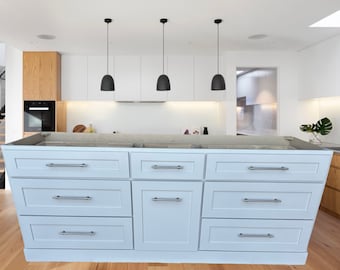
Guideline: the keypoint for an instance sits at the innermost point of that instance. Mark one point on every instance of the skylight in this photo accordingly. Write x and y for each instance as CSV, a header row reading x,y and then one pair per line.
x,y
332,20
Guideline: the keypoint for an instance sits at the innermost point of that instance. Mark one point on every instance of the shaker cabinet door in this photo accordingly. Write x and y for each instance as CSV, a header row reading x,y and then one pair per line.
x,y
166,215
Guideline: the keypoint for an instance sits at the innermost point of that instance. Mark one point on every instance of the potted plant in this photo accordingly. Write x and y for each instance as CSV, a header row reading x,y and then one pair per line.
x,y
322,127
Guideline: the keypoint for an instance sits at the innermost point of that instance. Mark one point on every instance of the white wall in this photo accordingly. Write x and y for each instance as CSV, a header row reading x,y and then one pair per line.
x,y
147,118
2,55
319,85
287,68
14,102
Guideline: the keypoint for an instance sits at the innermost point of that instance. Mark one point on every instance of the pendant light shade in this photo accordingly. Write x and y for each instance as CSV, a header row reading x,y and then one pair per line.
x,y
163,82
218,82
107,81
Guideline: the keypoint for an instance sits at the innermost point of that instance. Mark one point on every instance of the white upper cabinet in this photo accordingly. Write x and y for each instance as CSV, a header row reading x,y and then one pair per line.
x,y
74,77
97,68
127,78
151,69
205,67
181,75
319,70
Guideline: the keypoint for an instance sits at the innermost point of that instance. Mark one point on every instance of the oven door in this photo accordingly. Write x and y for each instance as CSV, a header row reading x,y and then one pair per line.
x,y
39,116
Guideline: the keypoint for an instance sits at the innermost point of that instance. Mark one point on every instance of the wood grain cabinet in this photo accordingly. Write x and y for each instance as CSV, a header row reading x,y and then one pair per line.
x,y
331,197
41,76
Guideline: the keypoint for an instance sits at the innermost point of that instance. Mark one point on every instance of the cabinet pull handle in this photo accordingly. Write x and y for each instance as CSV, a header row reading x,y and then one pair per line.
x,y
247,200
167,167
90,233
254,235
162,199
66,165
75,198
255,168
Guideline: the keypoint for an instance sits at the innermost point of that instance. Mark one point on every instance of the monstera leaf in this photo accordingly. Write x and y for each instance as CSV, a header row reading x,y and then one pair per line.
x,y
323,126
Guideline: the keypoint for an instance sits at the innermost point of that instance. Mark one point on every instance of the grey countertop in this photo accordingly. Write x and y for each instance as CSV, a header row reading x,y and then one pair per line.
x,y
166,141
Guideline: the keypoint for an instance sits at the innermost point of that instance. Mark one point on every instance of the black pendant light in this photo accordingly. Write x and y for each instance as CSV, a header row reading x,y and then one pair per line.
x,y
163,82
218,82
107,81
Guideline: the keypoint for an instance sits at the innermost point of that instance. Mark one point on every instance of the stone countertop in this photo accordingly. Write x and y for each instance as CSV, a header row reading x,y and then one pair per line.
x,y
166,141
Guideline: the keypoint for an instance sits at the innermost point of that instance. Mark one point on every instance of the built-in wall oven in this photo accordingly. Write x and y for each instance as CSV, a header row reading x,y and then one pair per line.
x,y
39,116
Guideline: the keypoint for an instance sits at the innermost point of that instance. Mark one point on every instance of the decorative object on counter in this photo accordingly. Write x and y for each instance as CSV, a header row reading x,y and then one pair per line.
x,y
186,132
205,131
321,127
196,132
90,129
218,82
163,82
107,81
79,128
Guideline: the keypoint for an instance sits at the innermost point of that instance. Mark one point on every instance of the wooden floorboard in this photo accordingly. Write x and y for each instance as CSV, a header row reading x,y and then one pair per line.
x,y
324,249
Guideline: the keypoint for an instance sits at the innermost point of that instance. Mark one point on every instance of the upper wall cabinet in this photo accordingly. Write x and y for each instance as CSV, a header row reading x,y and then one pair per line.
x,y
41,76
74,77
319,70
205,67
181,75
96,69
127,78
151,69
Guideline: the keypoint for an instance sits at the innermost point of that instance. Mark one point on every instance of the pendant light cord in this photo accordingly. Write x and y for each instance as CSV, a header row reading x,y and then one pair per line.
x,y
107,49
163,48
218,49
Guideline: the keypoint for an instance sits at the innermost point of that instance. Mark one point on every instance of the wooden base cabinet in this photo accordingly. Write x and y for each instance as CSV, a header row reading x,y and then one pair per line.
x,y
331,197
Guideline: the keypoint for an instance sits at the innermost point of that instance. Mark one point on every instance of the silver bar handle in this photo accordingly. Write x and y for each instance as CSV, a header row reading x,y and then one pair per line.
x,y
66,165
255,168
90,233
163,199
167,167
247,200
256,235
75,198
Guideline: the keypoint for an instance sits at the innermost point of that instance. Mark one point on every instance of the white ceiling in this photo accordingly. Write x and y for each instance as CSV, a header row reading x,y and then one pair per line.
x,y
79,25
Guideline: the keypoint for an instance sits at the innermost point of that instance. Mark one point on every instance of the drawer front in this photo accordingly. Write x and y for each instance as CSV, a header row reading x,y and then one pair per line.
x,y
72,197
255,235
166,215
261,200
268,167
333,179
77,232
170,166
70,162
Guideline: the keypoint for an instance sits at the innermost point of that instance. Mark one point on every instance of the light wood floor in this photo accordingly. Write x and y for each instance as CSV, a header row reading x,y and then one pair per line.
x,y
324,249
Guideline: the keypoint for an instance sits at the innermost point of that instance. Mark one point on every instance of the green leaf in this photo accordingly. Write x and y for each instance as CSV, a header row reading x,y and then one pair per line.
x,y
324,126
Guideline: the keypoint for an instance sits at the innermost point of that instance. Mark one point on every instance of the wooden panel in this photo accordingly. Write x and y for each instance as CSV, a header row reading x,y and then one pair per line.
x,y
41,76
61,116
336,160
333,179
331,200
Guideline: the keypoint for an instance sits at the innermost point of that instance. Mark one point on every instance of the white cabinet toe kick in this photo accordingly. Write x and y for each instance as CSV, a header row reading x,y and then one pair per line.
x,y
166,205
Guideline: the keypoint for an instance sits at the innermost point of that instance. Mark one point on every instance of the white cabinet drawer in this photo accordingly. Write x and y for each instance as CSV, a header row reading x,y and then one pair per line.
x,y
76,232
268,167
261,200
255,235
166,215
170,166
72,162
72,197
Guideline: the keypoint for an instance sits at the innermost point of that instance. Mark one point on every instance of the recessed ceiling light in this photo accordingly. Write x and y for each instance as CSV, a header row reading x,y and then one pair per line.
x,y
258,36
46,36
332,20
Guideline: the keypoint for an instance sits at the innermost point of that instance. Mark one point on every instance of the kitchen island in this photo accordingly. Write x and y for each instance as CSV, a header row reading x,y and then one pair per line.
x,y
166,198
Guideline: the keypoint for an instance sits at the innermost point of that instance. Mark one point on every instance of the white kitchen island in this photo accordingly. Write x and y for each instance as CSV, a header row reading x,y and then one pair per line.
x,y
166,198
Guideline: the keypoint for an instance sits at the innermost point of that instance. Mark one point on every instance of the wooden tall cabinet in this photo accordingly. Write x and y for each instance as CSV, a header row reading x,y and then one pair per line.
x,y
331,197
41,76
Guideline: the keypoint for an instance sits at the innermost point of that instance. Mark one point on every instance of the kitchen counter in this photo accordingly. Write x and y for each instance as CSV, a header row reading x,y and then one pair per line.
x,y
166,141
166,198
